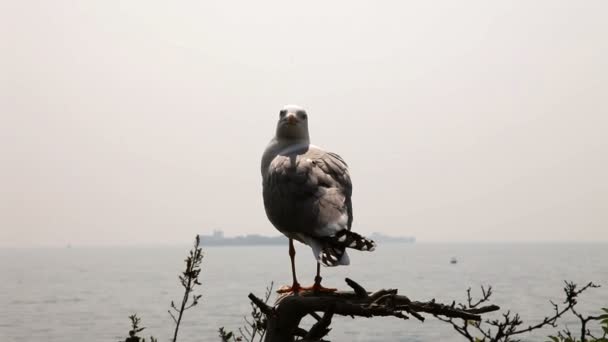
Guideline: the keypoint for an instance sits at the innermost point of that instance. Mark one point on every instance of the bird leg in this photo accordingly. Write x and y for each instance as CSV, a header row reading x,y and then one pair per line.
x,y
318,276
317,286
295,287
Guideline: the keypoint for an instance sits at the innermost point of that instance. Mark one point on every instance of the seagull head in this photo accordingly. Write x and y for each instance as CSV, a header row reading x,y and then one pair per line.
x,y
293,123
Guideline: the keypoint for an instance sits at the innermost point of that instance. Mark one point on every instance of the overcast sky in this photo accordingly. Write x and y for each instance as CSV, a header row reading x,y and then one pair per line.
x,y
138,122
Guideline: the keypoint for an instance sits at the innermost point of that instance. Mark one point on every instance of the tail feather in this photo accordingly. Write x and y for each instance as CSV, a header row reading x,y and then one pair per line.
x,y
333,250
349,239
333,256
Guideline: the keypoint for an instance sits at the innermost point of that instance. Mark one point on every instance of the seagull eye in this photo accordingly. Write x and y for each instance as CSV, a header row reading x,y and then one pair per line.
x,y
282,113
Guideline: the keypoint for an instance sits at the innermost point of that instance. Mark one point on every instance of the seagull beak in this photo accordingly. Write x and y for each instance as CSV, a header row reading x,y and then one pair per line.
x,y
291,119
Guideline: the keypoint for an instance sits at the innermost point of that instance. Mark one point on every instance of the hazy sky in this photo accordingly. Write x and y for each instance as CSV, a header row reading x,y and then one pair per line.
x,y
136,122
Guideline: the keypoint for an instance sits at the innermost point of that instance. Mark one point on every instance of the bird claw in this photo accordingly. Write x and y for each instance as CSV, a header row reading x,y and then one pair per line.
x,y
295,288
316,288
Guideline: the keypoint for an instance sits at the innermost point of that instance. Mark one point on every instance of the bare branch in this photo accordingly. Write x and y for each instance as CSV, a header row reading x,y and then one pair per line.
x,y
284,319
188,279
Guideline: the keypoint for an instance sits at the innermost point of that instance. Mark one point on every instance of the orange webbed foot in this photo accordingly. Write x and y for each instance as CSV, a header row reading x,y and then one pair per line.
x,y
318,288
295,288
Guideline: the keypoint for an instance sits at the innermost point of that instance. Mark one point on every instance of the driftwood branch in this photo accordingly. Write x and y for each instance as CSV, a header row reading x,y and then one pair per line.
x,y
284,319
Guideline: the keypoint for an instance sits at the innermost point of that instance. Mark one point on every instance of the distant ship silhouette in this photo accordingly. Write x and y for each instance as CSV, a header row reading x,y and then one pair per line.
x,y
217,238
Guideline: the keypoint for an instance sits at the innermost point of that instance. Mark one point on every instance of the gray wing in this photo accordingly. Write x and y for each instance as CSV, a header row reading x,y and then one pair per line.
x,y
309,192
307,196
335,167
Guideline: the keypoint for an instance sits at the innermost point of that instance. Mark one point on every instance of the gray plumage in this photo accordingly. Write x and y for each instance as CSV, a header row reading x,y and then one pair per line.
x,y
307,191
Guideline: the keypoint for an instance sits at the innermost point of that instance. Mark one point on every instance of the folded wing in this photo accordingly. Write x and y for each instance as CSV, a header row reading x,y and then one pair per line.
x,y
307,194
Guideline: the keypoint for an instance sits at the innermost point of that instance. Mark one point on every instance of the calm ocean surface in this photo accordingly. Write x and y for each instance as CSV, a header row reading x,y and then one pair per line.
x,y
86,294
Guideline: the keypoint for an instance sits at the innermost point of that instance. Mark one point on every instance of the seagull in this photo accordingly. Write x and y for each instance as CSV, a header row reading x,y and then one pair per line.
x,y
307,196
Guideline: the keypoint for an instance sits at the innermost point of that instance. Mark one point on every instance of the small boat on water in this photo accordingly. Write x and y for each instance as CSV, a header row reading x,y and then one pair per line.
x,y
453,261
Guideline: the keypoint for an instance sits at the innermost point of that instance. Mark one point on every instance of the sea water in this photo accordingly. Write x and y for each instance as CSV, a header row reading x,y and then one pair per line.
x,y
87,294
